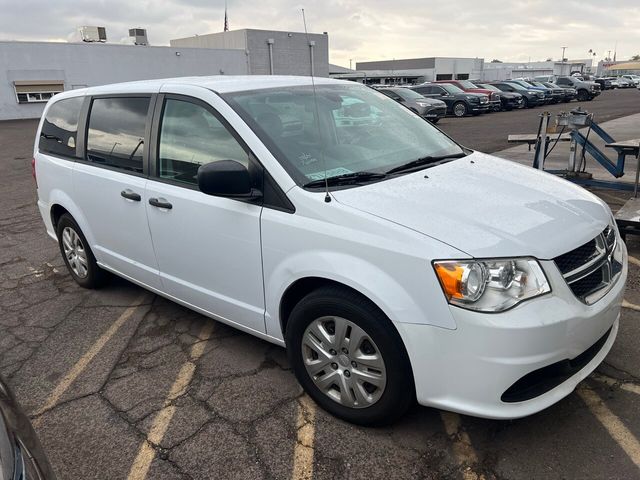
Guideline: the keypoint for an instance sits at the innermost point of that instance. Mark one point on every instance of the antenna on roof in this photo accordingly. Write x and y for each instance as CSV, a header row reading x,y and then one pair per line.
x,y
226,18
327,197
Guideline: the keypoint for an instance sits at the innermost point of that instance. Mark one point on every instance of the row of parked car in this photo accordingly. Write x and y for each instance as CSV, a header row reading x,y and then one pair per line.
x,y
434,100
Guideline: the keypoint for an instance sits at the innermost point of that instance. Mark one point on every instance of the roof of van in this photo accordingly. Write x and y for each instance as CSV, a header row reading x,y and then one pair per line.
x,y
217,83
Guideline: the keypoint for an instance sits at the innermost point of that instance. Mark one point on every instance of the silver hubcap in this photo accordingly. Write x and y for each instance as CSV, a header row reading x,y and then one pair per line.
x,y
344,362
460,110
75,252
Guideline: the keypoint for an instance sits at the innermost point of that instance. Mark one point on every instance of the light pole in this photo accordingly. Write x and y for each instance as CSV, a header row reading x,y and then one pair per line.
x,y
350,62
563,49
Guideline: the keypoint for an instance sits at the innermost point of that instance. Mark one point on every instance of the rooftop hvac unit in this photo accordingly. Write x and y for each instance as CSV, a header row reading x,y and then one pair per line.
x,y
139,36
93,34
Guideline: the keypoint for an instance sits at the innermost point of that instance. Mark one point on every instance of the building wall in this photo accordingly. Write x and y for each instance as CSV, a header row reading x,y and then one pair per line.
x,y
236,39
80,64
418,70
291,53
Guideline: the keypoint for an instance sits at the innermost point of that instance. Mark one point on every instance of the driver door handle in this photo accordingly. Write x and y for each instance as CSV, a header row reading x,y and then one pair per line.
x,y
156,202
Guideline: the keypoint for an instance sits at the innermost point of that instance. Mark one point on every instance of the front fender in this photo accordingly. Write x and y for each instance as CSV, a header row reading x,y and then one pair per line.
x,y
376,284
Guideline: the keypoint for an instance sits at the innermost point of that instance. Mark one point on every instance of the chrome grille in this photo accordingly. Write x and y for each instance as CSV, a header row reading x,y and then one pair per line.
x,y
591,269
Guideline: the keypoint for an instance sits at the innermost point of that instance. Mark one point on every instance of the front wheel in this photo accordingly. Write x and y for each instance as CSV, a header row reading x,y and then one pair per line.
x,y
583,96
525,102
435,120
349,358
460,109
77,254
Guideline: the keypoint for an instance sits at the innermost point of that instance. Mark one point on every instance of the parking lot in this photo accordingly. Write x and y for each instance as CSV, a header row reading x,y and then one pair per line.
x,y
123,384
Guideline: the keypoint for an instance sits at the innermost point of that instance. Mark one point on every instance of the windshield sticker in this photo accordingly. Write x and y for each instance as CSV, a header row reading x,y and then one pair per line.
x,y
306,159
334,172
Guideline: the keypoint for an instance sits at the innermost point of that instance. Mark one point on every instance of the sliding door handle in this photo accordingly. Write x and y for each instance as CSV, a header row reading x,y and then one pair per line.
x,y
130,195
160,203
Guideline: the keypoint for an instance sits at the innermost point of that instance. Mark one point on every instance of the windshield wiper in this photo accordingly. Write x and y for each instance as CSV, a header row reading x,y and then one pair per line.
x,y
346,179
429,161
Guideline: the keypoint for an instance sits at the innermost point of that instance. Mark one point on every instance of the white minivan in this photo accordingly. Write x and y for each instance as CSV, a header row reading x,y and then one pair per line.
x,y
393,263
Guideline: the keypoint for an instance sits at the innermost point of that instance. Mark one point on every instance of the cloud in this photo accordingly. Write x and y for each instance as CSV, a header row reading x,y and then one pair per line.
x,y
358,29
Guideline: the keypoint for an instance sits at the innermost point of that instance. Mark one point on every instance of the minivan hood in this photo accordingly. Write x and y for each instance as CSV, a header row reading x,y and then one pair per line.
x,y
486,207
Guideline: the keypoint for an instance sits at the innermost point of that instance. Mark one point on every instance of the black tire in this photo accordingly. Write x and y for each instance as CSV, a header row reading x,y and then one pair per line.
x,y
525,102
435,120
460,109
399,391
95,276
583,95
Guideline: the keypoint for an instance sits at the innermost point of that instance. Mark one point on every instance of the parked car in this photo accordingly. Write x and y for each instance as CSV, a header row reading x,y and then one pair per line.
x,y
470,87
605,83
556,93
508,100
566,94
548,94
624,82
459,103
430,108
21,454
586,90
634,79
248,200
530,97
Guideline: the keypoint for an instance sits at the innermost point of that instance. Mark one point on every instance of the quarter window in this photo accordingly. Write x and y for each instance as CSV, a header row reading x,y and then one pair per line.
x,y
116,132
60,127
190,136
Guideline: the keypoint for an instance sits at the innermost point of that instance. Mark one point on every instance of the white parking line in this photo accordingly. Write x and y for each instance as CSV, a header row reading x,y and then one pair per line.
x,y
463,450
84,361
304,448
630,306
627,386
634,260
621,434
161,422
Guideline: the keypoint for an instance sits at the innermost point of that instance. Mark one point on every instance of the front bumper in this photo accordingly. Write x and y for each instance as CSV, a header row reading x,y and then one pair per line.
x,y
479,107
468,370
435,112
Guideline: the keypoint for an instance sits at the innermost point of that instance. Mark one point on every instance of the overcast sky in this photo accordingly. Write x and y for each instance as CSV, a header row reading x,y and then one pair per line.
x,y
513,30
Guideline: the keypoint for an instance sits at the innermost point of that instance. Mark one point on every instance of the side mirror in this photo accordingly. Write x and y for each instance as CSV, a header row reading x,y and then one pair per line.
x,y
226,178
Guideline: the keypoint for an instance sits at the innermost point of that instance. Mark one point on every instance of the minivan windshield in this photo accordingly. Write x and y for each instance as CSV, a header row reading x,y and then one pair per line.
x,y
345,130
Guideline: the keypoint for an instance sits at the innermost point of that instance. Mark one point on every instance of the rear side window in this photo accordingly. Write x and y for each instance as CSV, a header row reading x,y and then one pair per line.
x,y
60,127
116,132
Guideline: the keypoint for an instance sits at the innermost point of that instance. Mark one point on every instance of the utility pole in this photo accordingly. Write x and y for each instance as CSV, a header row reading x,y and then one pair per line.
x,y
563,49
350,62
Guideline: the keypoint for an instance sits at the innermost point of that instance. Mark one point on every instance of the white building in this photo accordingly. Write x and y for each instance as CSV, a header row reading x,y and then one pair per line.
x,y
31,72
418,70
270,52
506,70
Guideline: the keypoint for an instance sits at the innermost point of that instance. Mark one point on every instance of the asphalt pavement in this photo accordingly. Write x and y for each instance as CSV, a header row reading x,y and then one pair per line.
x,y
122,384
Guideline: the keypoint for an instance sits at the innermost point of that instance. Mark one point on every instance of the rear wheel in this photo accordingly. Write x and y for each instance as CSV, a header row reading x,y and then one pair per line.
x,y
348,357
460,109
77,254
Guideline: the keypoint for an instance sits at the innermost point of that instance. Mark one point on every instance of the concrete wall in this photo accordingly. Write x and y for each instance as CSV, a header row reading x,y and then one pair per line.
x,y
291,53
236,39
82,64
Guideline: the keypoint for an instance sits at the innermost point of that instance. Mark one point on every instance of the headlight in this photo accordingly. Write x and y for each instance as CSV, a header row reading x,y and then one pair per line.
x,y
532,92
422,104
472,98
491,285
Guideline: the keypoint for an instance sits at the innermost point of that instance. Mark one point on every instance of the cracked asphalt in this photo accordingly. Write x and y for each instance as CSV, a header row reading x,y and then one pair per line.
x,y
170,394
